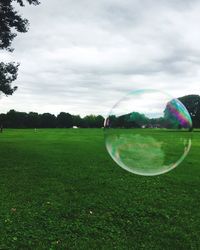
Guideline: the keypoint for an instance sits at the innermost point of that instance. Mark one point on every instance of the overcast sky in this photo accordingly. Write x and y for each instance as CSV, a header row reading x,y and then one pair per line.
x,y
81,56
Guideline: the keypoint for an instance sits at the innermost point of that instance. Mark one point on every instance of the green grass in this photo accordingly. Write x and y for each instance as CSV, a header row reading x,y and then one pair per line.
x,y
59,189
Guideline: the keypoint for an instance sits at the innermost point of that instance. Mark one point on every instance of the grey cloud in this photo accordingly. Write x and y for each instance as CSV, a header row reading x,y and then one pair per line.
x,y
82,56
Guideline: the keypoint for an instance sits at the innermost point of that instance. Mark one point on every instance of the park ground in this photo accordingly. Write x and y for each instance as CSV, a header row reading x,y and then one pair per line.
x,y
59,189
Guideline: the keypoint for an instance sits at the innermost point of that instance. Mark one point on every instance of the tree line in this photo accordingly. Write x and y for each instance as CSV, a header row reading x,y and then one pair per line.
x,y
15,119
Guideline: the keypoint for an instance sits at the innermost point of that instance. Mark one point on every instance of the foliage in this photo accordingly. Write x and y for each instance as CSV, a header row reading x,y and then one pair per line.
x,y
92,121
8,73
10,22
132,120
64,120
192,103
14,119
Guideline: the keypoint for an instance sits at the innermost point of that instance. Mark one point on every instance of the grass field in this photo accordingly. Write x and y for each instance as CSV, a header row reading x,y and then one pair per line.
x,y
61,190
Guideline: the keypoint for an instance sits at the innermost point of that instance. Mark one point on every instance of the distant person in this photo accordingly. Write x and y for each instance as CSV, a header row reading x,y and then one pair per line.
x,y
1,128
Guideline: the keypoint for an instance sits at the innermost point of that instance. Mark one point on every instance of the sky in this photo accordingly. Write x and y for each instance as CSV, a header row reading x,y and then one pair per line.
x,y
82,56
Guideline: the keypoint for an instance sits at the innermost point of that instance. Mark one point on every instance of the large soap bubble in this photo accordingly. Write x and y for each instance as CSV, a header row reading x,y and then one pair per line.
x,y
148,132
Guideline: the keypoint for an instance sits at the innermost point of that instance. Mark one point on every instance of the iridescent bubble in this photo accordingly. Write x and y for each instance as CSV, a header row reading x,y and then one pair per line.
x,y
148,132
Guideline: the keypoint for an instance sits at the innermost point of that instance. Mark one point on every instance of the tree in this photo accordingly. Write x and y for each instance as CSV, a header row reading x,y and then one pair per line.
x,y
138,120
8,73
93,121
47,120
33,120
99,123
89,121
111,122
3,120
131,120
192,104
64,120
77,121
10,21
16,119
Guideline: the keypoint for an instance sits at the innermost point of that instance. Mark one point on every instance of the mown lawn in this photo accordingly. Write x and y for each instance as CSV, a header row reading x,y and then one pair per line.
x,y
59,189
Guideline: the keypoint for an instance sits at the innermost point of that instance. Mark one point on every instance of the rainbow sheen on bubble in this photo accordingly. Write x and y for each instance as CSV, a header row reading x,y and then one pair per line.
x,y
148,132
179,113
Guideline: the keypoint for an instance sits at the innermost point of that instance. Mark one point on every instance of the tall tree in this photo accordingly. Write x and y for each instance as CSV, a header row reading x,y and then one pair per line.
x,y
77,120
16,119
192,103
89,121
10,23
64,120
99,121
33,120
47,120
